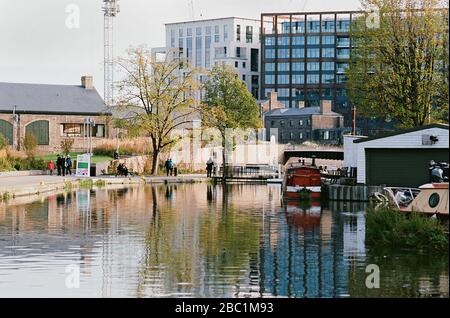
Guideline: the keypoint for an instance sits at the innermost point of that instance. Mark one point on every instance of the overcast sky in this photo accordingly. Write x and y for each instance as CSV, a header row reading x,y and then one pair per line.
x,y
36,46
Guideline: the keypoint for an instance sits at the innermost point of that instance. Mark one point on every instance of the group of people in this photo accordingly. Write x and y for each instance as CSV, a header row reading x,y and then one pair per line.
x,y
170,167
63,165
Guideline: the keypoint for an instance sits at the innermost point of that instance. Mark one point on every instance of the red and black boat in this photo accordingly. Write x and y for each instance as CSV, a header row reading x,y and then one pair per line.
x,y
302,182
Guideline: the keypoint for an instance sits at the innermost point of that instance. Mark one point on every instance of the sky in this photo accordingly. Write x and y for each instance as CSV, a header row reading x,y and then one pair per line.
x,y
37,46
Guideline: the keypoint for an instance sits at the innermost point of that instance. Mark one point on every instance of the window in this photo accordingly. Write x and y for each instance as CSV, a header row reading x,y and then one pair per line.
x,y
40,130
308,122
312,79
291,123
327,66
341,79
300,135
298,53
328,52
313,40
298,67
327,40
292,135
71,130
328,26
254,60
300,123
313,26
269,67
298,79
327,78
325,135
298,27
172,38
283,92
6,129
283,53
343,53
269,41
216,34
343,26
313,66
283,67
225,33
236,64
283,79
208,30
249,34
189,49
282,123
269,79
270,53
244,65
208,50
180,33
313,53
189,32
284,41
220,52
238,33
244,78
198,31
298,40
198,51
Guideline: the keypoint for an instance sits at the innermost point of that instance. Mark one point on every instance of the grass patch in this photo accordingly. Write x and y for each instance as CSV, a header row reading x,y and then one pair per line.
x,y
100,183
390,228
73,155
86,183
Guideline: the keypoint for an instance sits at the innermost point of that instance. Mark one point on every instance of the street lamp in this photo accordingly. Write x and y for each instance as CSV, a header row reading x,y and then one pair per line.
x,y
15,119
89,123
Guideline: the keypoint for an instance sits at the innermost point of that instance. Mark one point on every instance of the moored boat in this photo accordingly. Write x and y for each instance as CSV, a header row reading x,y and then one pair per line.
x,y
302,182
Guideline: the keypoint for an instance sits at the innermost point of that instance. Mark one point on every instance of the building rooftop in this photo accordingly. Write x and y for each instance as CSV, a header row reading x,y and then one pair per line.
x,y
214,19
297,112
50,99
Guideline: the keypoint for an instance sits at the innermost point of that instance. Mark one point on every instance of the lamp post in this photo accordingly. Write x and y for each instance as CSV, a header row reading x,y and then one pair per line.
x,y
89,123
15,118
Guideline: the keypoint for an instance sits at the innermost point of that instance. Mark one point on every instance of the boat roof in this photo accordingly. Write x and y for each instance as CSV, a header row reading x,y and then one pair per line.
x,y
435,186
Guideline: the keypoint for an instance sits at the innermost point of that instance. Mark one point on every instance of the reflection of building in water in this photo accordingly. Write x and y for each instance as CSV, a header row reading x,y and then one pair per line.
x,y
354,234
304,263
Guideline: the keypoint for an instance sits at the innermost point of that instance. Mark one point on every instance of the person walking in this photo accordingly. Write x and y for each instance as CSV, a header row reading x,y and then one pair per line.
x,y
166,166
63,166
59,164
171,165
51,167
69,165
209,167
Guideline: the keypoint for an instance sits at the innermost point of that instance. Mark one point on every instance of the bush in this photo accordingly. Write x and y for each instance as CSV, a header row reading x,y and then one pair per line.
x,y
126,148
391,228
5,164
4,143
29,144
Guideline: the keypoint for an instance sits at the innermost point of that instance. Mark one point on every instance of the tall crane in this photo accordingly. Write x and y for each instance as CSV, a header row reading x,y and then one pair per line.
x,y
110,9
192,9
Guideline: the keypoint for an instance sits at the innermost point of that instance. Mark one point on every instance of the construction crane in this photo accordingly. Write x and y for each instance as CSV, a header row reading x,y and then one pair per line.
x,y
110,9
192,9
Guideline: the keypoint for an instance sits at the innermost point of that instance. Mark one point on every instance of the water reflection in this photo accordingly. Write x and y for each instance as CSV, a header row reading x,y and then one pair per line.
x,y
200,240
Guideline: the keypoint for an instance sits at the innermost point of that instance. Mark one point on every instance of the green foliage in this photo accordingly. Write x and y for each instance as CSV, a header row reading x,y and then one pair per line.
x,y
399,70
29,144
391,228
66,146
29,163
5,164
4,143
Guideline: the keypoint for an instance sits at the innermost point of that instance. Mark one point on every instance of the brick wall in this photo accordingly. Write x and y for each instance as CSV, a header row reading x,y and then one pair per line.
x,y
55,136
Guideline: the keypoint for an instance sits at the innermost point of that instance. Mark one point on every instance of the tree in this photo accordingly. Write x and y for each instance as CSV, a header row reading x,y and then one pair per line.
x,y
29,143
66,146
228,104
398,68
157,97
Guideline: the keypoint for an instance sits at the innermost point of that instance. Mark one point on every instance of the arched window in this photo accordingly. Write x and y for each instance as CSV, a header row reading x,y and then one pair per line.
x,y
39,129
6,129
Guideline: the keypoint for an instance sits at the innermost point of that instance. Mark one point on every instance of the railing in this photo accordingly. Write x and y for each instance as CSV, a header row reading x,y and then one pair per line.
x,y
250,172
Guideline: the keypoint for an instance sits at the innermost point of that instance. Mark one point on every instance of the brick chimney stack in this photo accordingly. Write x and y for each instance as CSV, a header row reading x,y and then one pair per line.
x,y
87,82
325,106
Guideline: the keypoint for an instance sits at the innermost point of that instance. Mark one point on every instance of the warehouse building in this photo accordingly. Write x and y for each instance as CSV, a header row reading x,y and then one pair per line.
x,y
53,113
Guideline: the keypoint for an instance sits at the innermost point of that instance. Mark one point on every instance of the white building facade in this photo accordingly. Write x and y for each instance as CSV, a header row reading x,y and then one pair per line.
x,y
232,41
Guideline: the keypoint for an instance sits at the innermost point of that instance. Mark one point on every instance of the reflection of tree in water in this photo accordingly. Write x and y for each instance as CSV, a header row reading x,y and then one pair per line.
x,y
187,246
403,274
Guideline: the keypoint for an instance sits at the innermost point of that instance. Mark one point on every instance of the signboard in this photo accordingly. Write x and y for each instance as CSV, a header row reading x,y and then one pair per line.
x,y
83,165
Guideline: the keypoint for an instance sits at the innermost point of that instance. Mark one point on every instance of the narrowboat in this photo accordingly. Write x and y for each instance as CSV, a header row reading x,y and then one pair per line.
x,y
302,182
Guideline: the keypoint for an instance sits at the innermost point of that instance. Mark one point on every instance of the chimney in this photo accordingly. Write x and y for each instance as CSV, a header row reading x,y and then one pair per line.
x,y
301,104
325,106
87,82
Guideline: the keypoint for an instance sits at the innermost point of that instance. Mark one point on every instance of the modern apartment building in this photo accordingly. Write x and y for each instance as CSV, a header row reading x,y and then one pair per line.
x,y
233,41
304,58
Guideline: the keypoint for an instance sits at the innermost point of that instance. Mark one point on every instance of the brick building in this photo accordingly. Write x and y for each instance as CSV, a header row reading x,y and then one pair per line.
x,y
297,125
53,113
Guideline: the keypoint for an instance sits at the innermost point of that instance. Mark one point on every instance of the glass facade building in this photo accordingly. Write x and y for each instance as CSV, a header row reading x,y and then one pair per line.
x,y
304,58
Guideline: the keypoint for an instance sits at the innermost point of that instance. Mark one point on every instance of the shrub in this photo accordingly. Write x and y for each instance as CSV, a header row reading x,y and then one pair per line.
x,y
5,164
391,228
138,146
29,144
66,146
4,143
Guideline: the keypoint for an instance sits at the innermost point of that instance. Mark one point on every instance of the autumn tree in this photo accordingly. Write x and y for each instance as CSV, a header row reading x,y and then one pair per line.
x,y
398,67
156,96
228,104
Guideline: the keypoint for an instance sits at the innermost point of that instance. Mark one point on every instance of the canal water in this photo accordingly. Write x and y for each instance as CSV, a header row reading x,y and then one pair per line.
x,y
199,240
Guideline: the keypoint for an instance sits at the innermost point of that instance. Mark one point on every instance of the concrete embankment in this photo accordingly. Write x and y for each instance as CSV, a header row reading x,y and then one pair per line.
x,y
18,186
357,193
